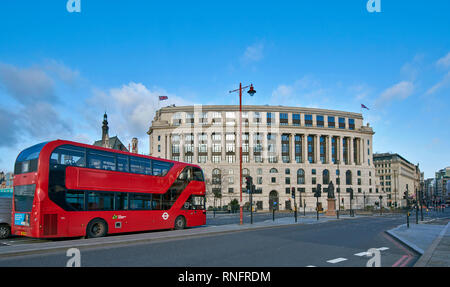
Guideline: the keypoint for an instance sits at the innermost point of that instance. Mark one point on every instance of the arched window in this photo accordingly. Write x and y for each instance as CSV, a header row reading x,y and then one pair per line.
x,y
245,172
348,177
216,176
300,176
273,170
325,176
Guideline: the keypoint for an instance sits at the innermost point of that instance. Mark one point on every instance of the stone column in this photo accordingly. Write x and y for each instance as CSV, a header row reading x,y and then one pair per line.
x,y
182,147
209,146
196,145
351,152
292,147
222,144
278,147
265,147
169,146
317,148
340,149
305,149
251,146
330,150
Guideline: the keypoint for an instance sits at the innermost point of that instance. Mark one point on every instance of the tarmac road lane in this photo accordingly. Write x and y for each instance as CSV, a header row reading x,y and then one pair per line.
x,y
329,244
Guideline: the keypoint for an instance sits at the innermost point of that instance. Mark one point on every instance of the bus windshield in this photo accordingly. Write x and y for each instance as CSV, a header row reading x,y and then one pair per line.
x,y
27,160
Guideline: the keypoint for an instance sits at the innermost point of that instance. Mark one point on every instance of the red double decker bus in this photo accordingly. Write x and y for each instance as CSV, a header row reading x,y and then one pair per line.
x,y
68,189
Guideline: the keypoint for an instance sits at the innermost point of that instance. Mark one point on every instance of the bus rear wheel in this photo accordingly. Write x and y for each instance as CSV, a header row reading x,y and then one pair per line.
x,y
96,228
180,223
5,231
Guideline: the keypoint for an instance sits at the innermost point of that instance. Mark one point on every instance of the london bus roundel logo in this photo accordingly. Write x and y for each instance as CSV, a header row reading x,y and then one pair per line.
x,y
165,215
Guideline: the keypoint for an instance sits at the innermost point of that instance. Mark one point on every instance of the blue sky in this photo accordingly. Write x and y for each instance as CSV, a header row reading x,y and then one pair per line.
x,y
60,71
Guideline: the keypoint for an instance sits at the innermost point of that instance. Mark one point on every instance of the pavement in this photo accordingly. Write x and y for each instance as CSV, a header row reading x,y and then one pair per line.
x,y
9,248
430,238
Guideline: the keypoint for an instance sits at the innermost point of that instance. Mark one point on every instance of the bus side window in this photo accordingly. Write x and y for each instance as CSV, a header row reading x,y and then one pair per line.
x,y
198,174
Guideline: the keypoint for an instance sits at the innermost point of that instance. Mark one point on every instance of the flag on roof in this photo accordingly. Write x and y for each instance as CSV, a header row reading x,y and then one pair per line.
x,y
364,107
162,98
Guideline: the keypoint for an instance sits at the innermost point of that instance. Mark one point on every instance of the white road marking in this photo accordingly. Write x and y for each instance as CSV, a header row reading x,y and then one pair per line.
x,y
310,266
337,260
365,253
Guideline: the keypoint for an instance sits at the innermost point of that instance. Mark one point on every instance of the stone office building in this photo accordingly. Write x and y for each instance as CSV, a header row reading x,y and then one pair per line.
x,y
282,148
396,176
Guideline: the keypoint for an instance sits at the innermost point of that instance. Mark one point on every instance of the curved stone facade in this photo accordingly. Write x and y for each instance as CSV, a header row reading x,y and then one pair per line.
x,y
282,148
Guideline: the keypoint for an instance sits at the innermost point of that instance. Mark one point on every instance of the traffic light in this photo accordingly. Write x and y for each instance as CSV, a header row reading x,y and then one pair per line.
x,y
249,183
318,191
293,192
351,193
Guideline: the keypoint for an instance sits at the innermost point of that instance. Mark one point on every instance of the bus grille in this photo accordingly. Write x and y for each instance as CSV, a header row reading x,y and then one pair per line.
x,y
50,224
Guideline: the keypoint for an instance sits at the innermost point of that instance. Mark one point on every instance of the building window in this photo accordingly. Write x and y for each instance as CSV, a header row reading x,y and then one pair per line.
x,y
269,118
216,176
283,119
325,176
230,158
319,121
342,123
308,120
351,124
331,122
296,119
322,146
348,177
257,117
311,149
202,158
300,176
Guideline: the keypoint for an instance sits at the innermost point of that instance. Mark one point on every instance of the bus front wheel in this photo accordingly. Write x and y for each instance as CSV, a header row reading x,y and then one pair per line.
x,y
180,223
96,228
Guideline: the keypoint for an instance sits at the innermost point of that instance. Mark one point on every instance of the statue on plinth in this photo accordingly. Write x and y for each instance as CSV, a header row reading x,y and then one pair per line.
x,y
331,190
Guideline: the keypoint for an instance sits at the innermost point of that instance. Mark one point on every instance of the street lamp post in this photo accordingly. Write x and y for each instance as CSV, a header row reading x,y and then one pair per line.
x,y
251,92
338,190
381,204
421,201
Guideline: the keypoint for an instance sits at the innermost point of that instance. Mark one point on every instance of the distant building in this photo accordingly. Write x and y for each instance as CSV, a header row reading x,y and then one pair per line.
x,y
442,177
106,141
396,175
6,179
428,188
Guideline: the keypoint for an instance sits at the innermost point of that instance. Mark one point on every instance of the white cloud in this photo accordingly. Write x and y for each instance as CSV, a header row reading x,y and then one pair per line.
x,y
445,81
444,61
399,91
307,91
130,108
60,70
27,85
253,53
35,115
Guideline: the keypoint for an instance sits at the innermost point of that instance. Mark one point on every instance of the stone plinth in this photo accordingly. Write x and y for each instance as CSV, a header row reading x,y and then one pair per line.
x,y
331,210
